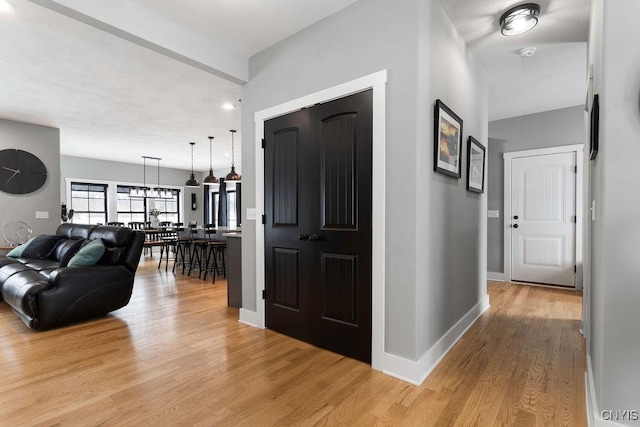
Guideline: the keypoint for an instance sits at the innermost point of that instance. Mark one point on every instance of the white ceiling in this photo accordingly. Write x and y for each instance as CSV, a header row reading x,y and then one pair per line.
x,y
115,100
555,77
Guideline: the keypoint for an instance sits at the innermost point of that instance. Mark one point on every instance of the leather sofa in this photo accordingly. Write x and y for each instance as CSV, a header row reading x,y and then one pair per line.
x,y
44,292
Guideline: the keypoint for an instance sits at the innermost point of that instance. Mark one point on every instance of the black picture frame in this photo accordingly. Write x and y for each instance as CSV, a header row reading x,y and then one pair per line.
x,y
447,142
595,127
476,160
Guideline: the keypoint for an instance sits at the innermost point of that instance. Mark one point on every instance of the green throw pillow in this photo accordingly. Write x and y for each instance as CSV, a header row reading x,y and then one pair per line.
x,y
17,251
90,254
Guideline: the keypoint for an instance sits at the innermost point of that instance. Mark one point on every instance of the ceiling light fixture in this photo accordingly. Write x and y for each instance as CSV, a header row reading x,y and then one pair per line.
x,y
141,191
210,179
6,6
519,19
527,52
192,181
228,106
233,175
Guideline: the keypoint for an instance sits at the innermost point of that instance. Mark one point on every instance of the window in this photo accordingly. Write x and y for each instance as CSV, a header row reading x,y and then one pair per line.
x,y
137,209
130,209
232,208
89,203
169,208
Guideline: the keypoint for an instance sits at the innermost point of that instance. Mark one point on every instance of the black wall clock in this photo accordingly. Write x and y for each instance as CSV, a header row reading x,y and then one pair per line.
x,y
21,172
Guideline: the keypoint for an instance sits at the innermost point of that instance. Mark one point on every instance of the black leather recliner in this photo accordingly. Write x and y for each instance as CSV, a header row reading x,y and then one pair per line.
x,y
46,293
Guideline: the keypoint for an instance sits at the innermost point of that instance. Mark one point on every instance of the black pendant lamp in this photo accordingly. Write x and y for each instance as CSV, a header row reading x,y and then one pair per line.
x,y
233,175
192,181
210,179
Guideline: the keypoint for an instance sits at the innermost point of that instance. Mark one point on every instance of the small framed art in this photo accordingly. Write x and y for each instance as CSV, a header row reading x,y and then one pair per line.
x,y
475,165
447,140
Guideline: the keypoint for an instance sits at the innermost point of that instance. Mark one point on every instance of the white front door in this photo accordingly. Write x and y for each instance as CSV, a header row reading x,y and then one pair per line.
x,y
543,228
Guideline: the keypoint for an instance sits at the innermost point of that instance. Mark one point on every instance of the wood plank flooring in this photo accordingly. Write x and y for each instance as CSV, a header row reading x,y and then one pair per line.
x,y
176,355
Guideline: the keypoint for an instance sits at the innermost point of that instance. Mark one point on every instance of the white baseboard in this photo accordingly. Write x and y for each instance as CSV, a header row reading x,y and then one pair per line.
x,y
249,317
594,418
496,277
416,372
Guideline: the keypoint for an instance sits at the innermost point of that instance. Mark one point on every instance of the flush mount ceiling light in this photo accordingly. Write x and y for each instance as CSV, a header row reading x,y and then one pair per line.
x,y
228,106
519,19
6,6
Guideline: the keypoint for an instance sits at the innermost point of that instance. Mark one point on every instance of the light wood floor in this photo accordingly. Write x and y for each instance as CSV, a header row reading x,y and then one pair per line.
x,y
176,355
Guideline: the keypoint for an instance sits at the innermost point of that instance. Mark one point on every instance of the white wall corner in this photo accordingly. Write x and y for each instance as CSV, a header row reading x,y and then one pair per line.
x,y
250,318
496,277
594,417
416,372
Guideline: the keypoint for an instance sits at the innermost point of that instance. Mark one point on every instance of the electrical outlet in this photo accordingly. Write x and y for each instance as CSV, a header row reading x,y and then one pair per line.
x,y
493,214
42,215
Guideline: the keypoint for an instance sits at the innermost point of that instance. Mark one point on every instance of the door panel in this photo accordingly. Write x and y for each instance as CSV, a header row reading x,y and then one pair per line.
x,y
318,228
543,227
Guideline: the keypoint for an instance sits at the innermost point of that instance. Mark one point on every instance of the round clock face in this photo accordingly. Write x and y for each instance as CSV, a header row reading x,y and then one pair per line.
x,y
21,172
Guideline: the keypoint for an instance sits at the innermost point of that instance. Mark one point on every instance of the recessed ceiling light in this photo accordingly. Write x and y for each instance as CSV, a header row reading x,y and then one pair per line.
x,y
227,155
6,6
519,19
228,106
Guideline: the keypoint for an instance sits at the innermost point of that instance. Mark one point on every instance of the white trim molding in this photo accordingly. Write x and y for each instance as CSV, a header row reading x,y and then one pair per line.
x,y
416,372
578,149
377,82
496,277
594,417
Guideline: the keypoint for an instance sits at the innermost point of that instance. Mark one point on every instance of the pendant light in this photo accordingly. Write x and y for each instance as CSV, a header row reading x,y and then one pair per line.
x,y
210,179
192,181
141,192
159,192
233,175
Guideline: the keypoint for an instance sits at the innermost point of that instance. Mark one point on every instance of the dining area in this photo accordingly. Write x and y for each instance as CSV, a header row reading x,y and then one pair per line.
x,y
189,249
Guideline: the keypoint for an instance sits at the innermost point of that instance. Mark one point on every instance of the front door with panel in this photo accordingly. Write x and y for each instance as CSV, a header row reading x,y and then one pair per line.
x,y
543,228
318,225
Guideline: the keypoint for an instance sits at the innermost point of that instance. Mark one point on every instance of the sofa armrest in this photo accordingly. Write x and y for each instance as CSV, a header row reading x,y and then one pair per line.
x,y
81,292
81,277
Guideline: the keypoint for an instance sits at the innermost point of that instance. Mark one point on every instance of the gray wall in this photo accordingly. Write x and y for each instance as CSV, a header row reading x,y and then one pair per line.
x,y
436,233
613,344
79,167
44,142
541,130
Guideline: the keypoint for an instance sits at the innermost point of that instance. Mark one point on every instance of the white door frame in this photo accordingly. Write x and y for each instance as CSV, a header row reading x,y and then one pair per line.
x,y
578,149
377,82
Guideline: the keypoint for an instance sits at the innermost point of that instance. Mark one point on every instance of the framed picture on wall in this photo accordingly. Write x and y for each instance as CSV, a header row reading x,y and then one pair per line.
x,y
447,140
475,165
595,127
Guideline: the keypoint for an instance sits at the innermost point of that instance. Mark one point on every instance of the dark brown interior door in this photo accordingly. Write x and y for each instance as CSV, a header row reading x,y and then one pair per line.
x,y
318,225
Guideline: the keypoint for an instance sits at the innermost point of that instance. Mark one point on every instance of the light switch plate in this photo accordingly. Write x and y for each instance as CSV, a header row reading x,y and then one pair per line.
x,y
42,215
493,214
251,214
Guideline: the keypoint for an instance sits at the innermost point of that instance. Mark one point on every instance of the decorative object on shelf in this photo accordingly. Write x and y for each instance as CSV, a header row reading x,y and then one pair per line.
x,y
16,233
519,19
447,140
192,181
595,127
233,175
210,179
475,165
21,172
